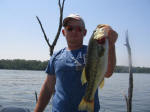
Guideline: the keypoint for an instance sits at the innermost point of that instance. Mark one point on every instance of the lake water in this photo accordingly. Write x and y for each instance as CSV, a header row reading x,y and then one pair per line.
x,y
17,88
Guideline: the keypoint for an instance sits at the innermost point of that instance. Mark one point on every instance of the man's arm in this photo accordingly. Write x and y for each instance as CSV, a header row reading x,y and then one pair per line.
x,y
111,53
45,93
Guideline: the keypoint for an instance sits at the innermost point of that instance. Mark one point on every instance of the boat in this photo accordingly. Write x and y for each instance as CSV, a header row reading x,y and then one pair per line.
x,y
13,109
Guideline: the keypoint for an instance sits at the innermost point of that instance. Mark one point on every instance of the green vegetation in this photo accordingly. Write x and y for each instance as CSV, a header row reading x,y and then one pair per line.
x,y
18,64
125,69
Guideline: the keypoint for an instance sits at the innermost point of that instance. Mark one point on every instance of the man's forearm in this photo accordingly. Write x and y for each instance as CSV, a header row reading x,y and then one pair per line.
x,y
46,93
111,61
43,100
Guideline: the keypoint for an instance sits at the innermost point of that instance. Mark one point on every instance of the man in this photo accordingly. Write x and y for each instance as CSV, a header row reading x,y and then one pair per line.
x,y
65,68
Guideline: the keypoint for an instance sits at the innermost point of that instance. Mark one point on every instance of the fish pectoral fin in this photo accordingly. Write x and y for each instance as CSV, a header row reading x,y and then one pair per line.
x,y
83,77
101,84
85,105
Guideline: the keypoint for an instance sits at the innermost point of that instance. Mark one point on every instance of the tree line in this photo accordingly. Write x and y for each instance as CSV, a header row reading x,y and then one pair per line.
x,y
20,64
125,69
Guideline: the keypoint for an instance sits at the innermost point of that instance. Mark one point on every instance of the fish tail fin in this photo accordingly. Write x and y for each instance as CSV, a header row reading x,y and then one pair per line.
x,y
85,105
102,84
83,77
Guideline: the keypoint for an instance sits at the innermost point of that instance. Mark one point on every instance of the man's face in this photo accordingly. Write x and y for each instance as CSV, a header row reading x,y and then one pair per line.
x,y
74,32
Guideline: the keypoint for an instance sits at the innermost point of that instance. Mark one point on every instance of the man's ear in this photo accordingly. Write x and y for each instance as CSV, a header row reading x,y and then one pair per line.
x,y
63,32
84,33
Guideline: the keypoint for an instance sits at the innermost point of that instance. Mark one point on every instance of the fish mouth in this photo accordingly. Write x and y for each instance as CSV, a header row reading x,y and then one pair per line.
x,y
101,41
100,34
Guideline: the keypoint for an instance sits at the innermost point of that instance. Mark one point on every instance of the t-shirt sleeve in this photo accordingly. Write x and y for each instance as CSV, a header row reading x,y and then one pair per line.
x,y
50,67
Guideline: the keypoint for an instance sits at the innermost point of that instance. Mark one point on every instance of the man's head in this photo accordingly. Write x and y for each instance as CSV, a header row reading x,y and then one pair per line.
x,y
74,30
73,16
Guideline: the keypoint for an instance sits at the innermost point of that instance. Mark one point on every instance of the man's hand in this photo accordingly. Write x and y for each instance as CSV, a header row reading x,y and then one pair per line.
x,y
112,37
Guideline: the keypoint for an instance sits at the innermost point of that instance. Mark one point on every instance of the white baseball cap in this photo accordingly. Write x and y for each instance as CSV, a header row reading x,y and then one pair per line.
x,y
73,16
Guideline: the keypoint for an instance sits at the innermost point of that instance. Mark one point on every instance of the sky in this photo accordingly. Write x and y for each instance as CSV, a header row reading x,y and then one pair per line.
x,y
21,36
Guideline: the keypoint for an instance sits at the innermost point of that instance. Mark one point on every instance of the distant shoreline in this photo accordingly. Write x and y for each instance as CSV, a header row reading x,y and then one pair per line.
x,y
21,64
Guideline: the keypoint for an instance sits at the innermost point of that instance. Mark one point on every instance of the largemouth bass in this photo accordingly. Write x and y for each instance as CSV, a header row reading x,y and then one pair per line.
x,y
96,66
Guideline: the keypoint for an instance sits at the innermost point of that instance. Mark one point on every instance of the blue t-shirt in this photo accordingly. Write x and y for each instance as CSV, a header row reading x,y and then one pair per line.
x,y
67,66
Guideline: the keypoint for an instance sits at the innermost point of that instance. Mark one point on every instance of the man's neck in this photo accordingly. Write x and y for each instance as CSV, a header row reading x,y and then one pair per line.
x,y
74,47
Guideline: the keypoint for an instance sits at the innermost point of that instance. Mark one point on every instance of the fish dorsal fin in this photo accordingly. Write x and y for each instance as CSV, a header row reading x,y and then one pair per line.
x,y
83,77
101,84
